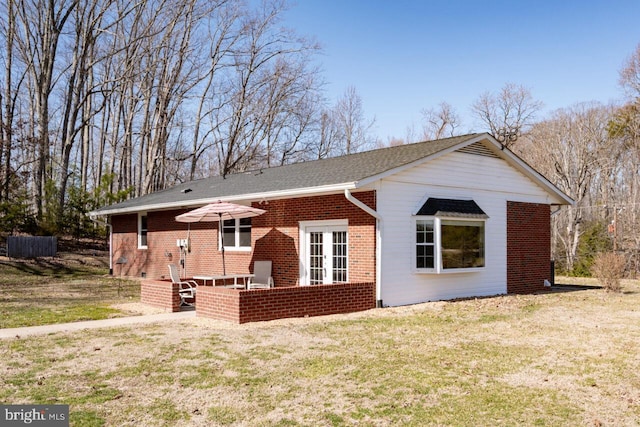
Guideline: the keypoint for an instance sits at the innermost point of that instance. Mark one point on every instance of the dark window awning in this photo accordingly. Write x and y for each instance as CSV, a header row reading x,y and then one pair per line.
x,y
451,207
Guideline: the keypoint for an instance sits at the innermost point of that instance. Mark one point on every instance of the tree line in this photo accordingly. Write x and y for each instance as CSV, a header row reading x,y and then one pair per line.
x,y
102,100
106,99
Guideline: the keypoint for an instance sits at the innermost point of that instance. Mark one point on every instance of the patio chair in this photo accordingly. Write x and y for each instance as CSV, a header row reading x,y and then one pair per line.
x,y
261,276
186,288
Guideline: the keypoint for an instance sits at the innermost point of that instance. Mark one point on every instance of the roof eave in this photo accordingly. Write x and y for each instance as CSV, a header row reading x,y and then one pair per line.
x,y
267,195
531,173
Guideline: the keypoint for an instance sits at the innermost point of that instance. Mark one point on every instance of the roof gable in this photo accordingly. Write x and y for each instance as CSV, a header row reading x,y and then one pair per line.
x,y
314,177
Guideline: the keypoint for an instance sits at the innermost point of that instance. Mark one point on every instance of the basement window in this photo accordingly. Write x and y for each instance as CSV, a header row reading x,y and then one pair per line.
x,y
449,236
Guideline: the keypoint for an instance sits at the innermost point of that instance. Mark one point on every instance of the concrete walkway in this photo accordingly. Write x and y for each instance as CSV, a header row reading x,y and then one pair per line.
x,y
92,324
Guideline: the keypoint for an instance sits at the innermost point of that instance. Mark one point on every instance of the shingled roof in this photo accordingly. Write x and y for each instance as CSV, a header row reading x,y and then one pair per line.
x,y
344,172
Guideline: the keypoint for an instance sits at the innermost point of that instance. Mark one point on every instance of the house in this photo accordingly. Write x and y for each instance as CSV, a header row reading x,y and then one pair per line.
x,y
435,220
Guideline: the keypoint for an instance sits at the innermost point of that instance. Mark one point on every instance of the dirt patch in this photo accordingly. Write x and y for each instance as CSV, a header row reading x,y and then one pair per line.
x,y
137,308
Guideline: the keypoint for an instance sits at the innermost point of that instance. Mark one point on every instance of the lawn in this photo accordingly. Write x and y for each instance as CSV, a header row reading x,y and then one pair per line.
x,y
68,288
562,358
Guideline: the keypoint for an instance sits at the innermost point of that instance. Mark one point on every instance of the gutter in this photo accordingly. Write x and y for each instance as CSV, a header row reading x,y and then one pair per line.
x,y
378,217
106,224
236,198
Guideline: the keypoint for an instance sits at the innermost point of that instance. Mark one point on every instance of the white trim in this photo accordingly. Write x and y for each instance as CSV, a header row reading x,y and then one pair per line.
x,y
238,198
238,248
323,223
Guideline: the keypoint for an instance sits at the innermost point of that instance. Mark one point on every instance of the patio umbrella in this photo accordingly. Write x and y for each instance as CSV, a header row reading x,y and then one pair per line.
x,y
219,211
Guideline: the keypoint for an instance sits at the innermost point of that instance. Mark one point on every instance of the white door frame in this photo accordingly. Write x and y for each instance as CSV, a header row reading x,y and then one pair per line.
x,y
305,227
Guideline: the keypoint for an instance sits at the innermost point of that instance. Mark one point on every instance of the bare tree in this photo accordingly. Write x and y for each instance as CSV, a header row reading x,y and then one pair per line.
x,y
441,122
507,114
626,126
268,70
41,24
630,75
109,93
328,136
76,102
349,115
171,78
574,150
9,91
221,39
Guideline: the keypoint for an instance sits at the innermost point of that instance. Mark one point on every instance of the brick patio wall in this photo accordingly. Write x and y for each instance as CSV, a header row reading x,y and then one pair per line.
x,y
528,247
242,306
161,294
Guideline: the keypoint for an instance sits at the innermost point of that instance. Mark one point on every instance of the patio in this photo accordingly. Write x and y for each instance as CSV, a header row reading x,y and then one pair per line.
x,y
254,305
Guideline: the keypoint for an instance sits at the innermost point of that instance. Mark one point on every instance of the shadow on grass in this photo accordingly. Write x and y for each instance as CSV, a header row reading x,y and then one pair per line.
x,y
50,267
38,266
560,287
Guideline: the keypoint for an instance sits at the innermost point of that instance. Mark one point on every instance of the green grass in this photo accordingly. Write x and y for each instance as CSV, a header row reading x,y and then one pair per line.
x,y
224,415
54,291
34,316
547,360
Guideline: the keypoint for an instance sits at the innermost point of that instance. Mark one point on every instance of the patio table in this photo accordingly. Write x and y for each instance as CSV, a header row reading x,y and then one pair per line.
x,y
245,279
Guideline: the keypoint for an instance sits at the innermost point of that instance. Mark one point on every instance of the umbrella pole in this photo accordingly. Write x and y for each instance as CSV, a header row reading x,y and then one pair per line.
x,y
224,268
186,250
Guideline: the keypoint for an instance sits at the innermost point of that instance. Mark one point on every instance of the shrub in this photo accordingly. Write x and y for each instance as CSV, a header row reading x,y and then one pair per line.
x,y
608,267
593,241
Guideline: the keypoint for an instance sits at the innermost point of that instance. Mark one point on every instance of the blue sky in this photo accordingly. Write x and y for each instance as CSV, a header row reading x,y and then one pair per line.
x,y
403,56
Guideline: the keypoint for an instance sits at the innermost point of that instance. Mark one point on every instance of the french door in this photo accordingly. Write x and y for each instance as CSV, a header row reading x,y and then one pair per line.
x,y
326,258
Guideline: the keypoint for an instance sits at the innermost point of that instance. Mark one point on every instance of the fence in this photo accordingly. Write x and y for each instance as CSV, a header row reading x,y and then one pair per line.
x,y
31,246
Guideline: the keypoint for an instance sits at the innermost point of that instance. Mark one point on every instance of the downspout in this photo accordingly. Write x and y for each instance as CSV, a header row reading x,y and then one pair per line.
x,y
106,224
378,217
552,273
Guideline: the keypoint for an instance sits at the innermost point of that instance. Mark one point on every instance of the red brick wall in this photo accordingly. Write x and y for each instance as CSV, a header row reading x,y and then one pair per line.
x,y
162,294
274,235
256,305
128,260
218,303
528,247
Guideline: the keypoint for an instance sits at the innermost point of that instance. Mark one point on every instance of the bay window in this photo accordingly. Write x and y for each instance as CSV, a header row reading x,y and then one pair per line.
x,y
462,243
449,236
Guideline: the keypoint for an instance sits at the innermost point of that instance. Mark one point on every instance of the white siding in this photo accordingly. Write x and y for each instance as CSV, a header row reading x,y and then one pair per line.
x,y
488,181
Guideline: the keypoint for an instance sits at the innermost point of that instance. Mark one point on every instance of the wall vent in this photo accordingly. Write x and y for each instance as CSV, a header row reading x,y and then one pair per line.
x,y
478,149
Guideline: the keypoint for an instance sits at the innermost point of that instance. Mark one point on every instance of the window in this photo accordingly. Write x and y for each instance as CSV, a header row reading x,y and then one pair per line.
x,y
236,233
462,244
425,242
142,231
449,236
